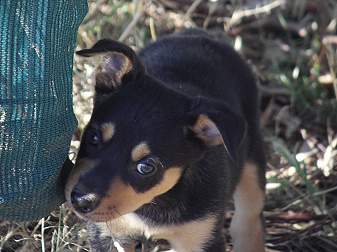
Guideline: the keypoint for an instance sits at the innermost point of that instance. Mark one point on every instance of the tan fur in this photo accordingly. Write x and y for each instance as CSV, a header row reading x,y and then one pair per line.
x,y
186,237
140,151
192,236
108,130
246,227
122,198
207,131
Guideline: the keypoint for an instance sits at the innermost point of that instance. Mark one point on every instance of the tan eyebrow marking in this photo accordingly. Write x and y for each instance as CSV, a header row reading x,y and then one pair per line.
x,y
108,130
139,151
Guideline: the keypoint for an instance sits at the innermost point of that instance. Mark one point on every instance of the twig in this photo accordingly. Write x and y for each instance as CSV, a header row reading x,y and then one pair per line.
x,y
93,13
153,30
331,56
273,90
240,14
302,197
192,8
133,23
212,9
42,236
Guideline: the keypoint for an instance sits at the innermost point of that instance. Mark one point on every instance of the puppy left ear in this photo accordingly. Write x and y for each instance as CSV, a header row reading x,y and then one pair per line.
x,y
119,65
215,124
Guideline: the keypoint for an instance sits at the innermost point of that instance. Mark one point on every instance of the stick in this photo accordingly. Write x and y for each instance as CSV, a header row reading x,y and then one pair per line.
x,y
133,23
240,14
192,8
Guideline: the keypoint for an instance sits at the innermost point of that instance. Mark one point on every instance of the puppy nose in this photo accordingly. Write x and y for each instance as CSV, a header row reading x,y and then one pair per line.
x,y
84,202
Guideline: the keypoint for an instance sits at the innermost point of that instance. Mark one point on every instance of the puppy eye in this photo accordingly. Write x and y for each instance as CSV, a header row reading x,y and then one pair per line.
x,y
145,169
147,166
94,138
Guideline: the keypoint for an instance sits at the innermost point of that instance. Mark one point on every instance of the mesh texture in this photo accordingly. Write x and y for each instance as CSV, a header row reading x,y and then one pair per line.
x,y
37,41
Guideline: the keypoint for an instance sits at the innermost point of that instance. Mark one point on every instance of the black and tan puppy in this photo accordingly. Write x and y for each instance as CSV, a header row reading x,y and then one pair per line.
x,y
173,135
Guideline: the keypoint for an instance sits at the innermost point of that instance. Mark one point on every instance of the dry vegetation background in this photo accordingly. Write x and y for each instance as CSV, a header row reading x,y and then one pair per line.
x,y
291,46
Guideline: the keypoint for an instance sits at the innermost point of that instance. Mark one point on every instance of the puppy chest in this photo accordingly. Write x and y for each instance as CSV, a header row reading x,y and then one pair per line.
x,y
128,225
194,233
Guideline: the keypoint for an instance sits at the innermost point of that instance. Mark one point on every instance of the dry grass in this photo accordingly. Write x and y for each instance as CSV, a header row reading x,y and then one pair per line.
x,y
291,46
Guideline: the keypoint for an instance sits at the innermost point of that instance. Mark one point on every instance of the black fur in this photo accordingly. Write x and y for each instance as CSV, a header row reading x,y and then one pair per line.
x,y
174,80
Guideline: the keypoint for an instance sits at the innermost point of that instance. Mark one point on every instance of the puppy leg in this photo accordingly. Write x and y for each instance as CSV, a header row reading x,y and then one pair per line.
x,y
246,227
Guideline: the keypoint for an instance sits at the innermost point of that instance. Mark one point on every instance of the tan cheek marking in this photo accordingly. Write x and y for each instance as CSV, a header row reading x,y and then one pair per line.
x,y
82,166
246,227
125,199
139,151
108,130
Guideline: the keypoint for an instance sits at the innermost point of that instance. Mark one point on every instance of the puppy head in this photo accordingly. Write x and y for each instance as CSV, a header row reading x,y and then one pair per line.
x,y
141,137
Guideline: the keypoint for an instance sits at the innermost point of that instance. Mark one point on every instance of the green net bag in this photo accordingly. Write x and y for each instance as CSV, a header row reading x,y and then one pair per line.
x,y
37,41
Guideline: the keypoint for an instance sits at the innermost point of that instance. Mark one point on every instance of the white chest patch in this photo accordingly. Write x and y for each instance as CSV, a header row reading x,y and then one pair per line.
x,y
186,237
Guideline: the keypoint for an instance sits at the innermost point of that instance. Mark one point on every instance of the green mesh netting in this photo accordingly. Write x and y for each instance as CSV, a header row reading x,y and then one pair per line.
x,y
37,41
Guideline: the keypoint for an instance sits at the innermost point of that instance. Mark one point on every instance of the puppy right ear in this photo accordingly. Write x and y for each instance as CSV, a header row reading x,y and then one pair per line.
x,y
119,65
214,123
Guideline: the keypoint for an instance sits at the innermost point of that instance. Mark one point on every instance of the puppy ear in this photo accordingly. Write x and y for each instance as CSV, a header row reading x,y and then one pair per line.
x,y
215,124
207,131
119,64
